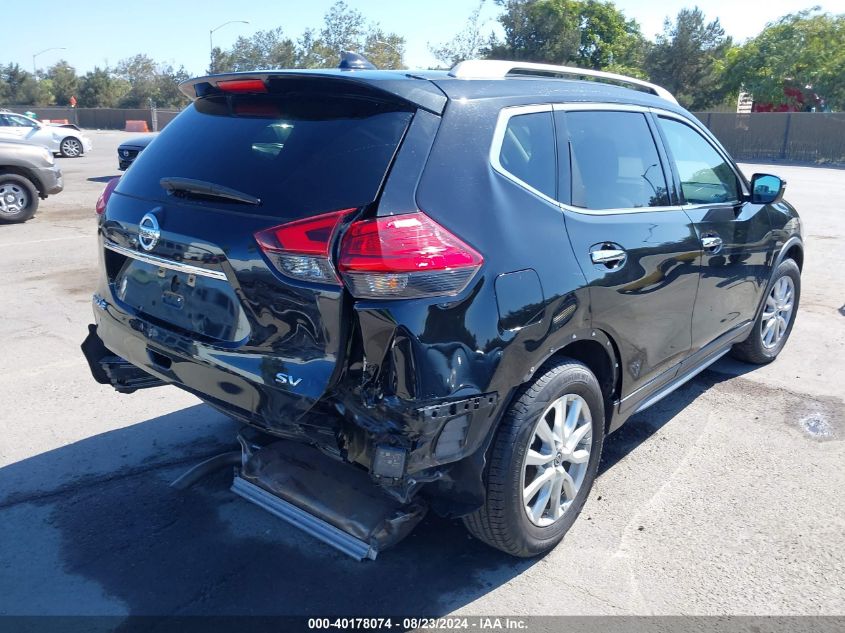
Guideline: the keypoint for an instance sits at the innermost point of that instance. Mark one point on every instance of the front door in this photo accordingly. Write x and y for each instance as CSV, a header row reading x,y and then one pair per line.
x,y
734,234
639,253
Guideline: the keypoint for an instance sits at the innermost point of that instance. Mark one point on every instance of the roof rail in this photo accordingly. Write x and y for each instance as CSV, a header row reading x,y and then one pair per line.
x,y
496,69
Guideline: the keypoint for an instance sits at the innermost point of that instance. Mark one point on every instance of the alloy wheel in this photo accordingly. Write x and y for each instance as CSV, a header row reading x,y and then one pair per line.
x,y
71,147
777,312
557,459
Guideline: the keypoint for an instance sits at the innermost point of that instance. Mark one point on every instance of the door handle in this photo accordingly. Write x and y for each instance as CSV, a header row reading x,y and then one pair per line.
x,y
711,243
610,257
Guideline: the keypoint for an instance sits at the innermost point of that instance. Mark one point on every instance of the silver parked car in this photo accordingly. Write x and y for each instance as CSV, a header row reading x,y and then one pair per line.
x,y
67,140
27,172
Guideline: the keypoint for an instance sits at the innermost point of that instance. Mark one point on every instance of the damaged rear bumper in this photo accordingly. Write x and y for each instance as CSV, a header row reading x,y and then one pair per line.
x,y
109,369
335,502
404,444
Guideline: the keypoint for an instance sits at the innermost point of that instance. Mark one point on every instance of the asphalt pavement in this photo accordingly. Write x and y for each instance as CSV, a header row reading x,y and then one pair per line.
x,y
724,498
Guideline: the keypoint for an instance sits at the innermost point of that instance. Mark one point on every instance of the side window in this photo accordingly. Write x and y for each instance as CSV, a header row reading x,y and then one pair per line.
x,y
528,150
614,161
705,176
20,121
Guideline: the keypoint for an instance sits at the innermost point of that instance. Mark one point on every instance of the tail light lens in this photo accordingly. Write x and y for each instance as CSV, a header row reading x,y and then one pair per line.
x,y
242,85
103,200
405,256
302,249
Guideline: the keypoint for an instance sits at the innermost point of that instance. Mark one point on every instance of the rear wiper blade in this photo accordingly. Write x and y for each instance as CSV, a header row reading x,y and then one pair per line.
x,y
173,184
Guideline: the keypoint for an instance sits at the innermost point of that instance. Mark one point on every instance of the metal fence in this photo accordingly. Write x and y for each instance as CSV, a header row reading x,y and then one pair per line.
x,y
101,118
809,137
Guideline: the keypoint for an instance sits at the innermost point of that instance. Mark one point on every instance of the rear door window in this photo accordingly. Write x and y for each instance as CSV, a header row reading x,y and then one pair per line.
x,y
301,155
614,161
528,151
705,176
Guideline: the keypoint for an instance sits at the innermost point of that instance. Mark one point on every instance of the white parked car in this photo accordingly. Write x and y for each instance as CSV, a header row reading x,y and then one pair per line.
x,y
67,140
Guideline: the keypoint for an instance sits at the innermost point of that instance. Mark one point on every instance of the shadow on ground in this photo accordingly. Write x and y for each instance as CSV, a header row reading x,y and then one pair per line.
x,y
150,550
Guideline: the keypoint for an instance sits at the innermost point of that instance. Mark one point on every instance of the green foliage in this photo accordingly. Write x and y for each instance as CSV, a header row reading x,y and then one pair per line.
x,y
100,89
64,82
692,58
585,33
686,59
19,86
150,82
344,29
804,50
262,50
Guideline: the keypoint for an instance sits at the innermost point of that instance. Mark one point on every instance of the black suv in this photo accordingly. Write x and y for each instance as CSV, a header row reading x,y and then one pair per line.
x,y
453,285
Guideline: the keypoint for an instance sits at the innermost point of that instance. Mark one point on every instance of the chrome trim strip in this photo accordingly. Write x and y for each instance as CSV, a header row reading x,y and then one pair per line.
x,y
678,382
505,115
593,106
166,263
305,521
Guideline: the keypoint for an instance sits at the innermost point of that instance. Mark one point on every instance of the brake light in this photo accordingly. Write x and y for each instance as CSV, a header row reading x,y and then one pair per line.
x,y
404,256
242,85
302,249
103,200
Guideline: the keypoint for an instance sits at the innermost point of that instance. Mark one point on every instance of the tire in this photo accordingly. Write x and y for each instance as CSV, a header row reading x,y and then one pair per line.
x,y
503,521
756,348
18,198
70,147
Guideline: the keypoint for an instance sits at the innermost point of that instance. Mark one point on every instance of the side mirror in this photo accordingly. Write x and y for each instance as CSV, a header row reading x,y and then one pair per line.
x,y
766,189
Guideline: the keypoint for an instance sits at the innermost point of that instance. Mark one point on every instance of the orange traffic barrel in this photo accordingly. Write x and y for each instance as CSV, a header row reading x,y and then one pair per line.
x,y
136,126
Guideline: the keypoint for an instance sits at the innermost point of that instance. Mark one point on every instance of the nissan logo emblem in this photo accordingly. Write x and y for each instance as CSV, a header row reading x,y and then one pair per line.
x,y
148,232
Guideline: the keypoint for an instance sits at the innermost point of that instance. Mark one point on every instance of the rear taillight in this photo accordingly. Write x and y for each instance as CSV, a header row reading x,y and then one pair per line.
x,y
405,256
103,200
302,249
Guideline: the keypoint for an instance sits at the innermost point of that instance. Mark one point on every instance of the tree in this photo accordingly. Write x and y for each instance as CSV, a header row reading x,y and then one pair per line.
x,y
150,82
141,73
167,93
384,50
99,89
687,59
584,33
609,41
344,29
262,50
65,83
466,44
805,50
20,86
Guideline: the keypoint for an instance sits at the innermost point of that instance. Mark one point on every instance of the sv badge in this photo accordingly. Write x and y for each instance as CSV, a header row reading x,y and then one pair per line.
x,y
287,379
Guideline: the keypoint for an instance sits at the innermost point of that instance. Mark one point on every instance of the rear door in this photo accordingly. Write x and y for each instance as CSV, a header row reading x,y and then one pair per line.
x,y
734,234
222,306
638,251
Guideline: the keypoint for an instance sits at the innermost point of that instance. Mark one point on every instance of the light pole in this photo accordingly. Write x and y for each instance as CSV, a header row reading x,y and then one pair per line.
x,y
211,40
46,50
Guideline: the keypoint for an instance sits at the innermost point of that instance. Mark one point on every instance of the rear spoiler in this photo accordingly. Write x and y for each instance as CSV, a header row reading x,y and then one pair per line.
x,y
390,84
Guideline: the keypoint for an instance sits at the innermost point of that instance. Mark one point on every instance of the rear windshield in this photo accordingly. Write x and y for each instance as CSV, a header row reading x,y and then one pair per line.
x,y
300,155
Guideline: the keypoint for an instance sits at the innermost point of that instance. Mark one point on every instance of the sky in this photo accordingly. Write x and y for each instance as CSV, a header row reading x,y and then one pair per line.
x,y
101,32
